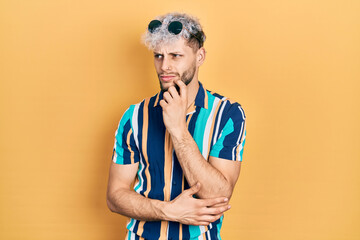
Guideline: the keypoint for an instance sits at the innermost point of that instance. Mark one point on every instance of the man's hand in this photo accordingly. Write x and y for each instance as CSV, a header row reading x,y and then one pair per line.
x,y
188,210
174,108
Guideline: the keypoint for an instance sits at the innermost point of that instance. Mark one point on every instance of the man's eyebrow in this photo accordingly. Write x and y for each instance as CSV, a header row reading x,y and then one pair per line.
x,y
174,52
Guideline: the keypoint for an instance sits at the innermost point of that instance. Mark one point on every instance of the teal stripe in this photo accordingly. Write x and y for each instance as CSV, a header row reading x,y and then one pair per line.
x,y
219,227
201,122
219,145
130,224
139,177
194,231
124,119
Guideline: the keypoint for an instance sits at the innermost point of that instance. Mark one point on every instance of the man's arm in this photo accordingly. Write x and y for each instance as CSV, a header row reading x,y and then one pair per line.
x,y
184,209
217,176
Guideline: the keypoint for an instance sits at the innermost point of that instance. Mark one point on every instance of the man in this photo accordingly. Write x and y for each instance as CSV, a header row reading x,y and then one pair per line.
x,y
183,146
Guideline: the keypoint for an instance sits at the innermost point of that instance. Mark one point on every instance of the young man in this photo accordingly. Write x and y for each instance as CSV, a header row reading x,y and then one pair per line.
x,y
183,146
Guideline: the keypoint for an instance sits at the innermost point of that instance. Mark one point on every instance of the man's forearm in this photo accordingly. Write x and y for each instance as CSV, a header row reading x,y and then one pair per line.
x,y
197,169
184,208
131,204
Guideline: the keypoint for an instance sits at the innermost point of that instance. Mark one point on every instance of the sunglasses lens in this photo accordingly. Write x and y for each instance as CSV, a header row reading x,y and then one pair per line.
x,y
175,27
154,24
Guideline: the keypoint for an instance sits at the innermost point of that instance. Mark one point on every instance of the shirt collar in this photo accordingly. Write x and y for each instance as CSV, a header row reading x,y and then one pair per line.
x,y
201,99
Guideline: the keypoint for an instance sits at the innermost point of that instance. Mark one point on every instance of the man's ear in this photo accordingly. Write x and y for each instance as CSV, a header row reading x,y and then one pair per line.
x,y
200,56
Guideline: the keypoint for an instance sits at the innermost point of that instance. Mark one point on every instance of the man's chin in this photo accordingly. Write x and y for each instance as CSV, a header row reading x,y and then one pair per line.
x,y
165,86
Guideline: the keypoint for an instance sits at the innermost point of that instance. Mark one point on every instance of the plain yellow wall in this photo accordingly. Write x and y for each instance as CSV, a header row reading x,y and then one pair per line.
x,y
69,69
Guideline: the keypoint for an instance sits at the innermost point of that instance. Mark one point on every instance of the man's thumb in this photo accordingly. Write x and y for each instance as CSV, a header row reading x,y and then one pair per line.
x,y
195,188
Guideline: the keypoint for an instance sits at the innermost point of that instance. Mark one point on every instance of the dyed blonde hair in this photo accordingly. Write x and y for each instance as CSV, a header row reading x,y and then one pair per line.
x,y
195,38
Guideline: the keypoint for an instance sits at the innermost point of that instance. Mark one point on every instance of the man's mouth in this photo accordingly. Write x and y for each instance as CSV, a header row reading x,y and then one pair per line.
x,y
167,78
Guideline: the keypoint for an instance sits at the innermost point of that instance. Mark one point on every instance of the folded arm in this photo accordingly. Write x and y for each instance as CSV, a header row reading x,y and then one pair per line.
x,y
184,209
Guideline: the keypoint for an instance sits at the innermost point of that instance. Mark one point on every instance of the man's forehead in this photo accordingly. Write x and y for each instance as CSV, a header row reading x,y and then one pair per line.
x,y
179,45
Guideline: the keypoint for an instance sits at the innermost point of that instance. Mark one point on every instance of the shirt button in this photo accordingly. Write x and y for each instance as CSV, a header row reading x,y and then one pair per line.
x,y
174,183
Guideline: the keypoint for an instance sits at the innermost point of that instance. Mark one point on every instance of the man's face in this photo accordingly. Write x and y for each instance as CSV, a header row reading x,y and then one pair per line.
x,y
173,62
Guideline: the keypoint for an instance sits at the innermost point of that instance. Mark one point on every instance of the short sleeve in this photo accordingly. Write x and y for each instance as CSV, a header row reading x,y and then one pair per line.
x,y
125,150
231,140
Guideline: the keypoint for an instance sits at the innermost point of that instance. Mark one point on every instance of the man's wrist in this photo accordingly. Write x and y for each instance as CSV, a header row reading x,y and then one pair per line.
x,y
179,134
164,210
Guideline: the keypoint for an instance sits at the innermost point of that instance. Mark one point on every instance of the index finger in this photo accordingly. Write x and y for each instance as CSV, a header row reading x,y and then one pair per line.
x,y
182,87
215,201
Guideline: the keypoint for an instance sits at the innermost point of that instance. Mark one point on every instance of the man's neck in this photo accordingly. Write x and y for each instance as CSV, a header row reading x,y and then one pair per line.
x,y
192,90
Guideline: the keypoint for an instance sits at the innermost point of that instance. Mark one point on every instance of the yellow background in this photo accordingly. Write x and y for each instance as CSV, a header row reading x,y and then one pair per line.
x,y
69,69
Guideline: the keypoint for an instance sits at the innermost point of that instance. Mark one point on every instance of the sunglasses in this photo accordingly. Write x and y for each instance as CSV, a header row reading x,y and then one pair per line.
x,y
174,27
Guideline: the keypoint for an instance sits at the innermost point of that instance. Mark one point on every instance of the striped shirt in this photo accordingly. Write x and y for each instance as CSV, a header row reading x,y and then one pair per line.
x,y
217,125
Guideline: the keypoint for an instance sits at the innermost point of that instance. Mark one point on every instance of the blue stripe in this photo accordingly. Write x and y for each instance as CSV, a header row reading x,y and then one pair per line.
x,y
155,151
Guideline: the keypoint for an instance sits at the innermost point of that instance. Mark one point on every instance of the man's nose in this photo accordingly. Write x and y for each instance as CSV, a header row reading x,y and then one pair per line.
x,y
166,65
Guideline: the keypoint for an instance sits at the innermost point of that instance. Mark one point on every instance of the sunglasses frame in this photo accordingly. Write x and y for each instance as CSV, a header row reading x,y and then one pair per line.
x,y
173,29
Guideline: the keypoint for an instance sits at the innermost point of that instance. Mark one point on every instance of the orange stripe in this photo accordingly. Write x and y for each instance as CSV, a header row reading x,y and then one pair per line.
x,y
128,143
140,228
144,151
156,100
180,231
144,145
168,151
191,108
188,120
163,230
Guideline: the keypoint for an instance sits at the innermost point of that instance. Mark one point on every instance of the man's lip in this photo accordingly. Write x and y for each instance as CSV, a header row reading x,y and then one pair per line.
x,y
167,77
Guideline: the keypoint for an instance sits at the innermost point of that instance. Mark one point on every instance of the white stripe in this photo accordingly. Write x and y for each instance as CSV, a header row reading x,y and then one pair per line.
x,y
115,157
190,112
240,134
132,236
208,234
202,230
207,129
135,126
237,142
218,123
242,112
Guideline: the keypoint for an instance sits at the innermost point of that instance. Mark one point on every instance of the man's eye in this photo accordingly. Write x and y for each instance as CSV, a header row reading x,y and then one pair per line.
x,y
176,55
158,56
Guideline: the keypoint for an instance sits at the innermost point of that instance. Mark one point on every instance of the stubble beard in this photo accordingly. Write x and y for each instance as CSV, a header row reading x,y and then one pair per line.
x,y
186,77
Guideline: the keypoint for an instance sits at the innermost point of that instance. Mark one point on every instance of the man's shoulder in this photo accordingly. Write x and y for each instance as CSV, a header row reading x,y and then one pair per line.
x,y
227,103
143,103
